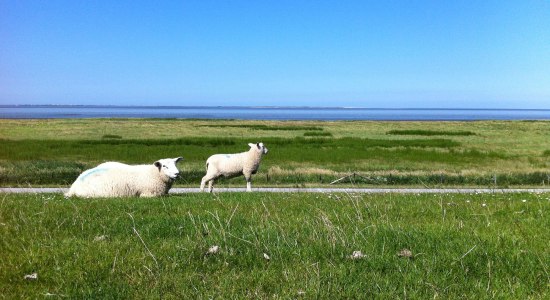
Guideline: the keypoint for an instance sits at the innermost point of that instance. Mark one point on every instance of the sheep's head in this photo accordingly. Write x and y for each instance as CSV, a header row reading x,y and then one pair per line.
x,y
259,147
168,167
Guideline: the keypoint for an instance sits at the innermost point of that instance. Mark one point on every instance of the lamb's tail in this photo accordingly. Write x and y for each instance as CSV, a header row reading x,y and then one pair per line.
x,y
207,166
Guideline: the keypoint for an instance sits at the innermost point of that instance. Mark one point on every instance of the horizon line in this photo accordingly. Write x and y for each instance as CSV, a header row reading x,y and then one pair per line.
x,y
258,107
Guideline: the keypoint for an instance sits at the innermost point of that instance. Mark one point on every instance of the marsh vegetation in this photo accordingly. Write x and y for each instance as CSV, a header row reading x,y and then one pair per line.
x,y
304,153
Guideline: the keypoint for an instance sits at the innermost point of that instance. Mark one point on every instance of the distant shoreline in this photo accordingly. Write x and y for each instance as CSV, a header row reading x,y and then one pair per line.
x,y
274,113
263,107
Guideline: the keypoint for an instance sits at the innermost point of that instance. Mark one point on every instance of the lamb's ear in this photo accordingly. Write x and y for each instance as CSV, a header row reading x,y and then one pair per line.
x,y
258,145
251,145
178,159
158,165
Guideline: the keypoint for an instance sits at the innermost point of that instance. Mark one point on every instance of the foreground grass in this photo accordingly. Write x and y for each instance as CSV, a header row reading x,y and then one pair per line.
x,y
464,246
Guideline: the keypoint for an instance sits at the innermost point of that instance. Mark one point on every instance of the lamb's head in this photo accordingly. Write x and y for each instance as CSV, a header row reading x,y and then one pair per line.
x,y
168,167
258,147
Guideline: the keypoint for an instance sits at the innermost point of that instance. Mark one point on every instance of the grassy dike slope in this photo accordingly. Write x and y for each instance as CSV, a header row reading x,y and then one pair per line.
x,y
463,246
306,153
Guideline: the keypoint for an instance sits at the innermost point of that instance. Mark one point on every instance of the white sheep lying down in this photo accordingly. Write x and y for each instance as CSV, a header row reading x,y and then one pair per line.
x,y
232,165
114,179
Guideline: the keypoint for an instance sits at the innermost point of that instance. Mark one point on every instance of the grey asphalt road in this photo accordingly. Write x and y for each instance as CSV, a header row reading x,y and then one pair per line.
x,y
314,190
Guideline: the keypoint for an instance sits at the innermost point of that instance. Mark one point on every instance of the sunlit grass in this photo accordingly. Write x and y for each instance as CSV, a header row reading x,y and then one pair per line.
x,y
463,246
264,127
430,132
53,162
111,136
516,152
316,134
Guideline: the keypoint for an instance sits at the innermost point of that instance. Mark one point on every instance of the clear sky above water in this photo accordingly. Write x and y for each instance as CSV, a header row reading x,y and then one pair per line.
x,y
475,54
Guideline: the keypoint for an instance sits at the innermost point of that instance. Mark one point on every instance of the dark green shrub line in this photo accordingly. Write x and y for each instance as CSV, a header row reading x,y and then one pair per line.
x,y
265,127
313,133
40,172
202,141
430,132
212,142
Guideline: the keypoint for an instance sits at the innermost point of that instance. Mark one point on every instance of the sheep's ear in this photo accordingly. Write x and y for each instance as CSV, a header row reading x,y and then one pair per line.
x,y
178,159
158,165
258,145
251,145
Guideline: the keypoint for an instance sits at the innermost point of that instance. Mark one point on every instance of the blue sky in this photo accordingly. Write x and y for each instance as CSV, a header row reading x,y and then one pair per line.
x,y
478,54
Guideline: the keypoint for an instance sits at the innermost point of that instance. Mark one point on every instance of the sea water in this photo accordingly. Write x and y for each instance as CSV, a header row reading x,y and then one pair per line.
x,y
268,113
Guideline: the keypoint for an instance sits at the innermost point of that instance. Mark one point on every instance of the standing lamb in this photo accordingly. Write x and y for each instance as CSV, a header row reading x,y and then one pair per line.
x,y
114,179
232,165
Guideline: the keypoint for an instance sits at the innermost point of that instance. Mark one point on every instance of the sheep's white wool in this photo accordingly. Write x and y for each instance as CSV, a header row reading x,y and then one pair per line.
x,y
232,165
114,179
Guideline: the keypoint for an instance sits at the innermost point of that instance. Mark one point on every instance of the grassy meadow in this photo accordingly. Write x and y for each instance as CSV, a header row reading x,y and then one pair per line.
x,y
461,246
302,153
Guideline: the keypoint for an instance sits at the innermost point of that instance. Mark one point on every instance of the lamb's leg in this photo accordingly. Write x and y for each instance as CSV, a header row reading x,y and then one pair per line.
x,y
202,184
248,183
210,185
207,178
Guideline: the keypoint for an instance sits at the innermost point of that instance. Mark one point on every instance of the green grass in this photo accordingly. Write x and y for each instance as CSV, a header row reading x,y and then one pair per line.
x,y
50,162
156,248
264,127
302,153
314,133
111,136
430,132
